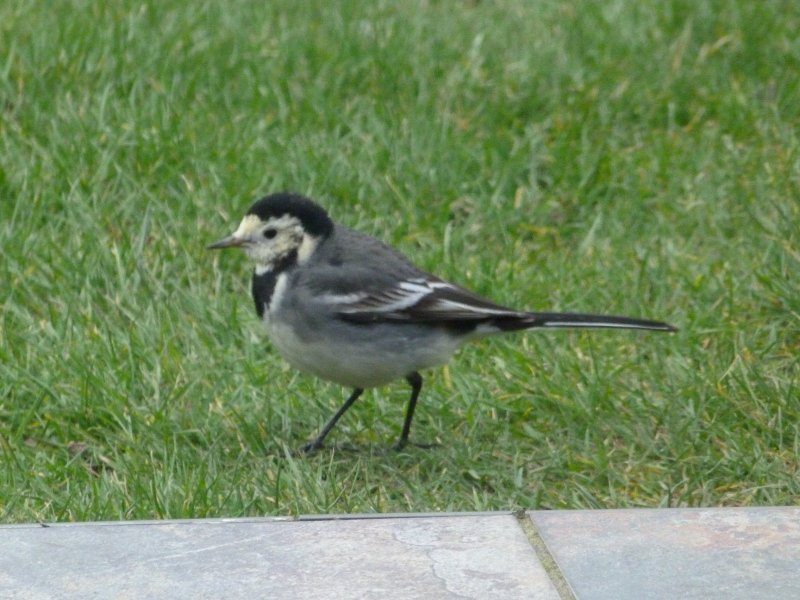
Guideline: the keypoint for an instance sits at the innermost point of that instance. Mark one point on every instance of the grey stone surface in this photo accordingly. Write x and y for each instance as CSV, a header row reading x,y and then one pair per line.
x,y
454,556
603,554
729,553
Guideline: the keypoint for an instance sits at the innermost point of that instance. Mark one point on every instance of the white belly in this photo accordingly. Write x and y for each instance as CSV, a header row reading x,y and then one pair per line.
x,y
359,364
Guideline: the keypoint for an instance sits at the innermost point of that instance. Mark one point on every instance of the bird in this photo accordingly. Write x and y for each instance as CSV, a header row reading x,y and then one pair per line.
x,y
348,308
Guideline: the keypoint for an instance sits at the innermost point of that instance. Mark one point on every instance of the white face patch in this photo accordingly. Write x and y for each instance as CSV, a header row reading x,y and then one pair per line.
x,y
307,247
249,225
284,235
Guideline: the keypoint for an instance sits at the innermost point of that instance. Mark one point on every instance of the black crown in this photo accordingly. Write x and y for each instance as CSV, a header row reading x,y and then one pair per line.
x,y
313,217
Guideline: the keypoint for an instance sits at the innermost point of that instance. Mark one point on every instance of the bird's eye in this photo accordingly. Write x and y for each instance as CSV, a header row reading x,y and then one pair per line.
x,y
270,233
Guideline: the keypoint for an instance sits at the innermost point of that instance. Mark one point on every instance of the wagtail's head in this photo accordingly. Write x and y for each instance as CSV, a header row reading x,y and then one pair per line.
x,y
280,226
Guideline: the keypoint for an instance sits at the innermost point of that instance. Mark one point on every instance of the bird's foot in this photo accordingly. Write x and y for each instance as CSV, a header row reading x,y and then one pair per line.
x,y
311,447
314,445
400,444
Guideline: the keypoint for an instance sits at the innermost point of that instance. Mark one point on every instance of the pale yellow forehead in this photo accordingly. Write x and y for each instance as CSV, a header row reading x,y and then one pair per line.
x,y
251,224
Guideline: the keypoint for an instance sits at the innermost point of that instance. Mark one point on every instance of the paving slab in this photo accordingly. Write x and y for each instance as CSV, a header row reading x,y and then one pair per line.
x,y
444,556
730,553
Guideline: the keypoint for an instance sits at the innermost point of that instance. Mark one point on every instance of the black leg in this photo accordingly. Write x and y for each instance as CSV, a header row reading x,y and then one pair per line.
x,y
415,381
316,443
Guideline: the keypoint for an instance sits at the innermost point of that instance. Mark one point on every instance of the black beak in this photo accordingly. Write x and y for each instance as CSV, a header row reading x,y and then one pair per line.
x,y
228,242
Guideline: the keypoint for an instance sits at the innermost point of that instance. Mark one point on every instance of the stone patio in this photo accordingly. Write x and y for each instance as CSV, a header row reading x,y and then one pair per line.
x,y
600,554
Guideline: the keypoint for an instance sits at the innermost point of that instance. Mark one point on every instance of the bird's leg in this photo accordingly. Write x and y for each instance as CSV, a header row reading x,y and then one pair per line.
x,y
415,381
316,443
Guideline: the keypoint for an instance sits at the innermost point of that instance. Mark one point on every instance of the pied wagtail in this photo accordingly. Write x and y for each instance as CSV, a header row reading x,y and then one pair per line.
x,y
346,307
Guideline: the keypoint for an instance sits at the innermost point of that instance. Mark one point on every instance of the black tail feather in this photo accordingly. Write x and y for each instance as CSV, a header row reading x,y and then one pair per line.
x,y
577,320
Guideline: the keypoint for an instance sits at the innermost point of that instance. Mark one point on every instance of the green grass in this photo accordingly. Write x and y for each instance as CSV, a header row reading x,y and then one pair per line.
x,y
620,157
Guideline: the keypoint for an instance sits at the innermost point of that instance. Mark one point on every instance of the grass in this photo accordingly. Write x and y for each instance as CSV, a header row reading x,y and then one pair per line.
x,y
619,157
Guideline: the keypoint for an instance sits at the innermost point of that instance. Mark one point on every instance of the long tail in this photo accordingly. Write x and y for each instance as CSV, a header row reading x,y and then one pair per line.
x,y
578,320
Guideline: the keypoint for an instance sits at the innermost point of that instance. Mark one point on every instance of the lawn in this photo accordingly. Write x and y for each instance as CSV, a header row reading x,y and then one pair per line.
x,y
636,158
